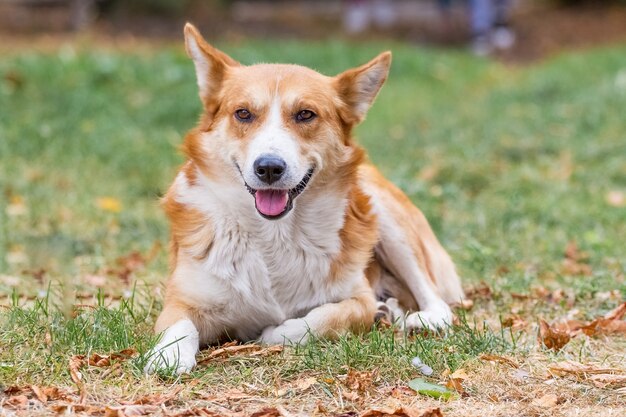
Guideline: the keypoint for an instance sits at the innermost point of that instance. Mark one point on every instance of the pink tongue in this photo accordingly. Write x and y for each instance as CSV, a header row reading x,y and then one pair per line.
x,y
271,202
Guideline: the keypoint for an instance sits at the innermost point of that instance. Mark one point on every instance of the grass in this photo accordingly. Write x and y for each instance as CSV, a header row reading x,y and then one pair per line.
x,y
509,165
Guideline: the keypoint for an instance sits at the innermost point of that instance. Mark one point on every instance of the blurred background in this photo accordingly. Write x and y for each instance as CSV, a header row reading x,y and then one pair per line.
x,y
516,30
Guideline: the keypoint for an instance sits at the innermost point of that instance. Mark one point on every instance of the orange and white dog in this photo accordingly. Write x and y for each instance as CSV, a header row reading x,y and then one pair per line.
x,y
279,227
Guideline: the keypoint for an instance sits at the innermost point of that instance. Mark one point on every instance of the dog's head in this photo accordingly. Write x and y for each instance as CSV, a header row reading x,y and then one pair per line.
x,y
276,129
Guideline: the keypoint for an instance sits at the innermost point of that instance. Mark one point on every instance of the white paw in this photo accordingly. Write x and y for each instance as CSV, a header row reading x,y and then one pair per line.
x,y
169,357
292,331
176,350
437,317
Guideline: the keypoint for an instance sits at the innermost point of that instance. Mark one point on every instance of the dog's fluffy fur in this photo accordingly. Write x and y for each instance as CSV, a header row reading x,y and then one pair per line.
x,y
345,239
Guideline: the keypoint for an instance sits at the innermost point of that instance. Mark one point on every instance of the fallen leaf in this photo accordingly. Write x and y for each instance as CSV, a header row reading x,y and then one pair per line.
x,y
402,412
359,381
480,291
604,327
571,327
351,395
617,313
547,401
575,262
514,322
76,362
267,412
198,411
39,393
579,370
500,359
430,390
604,380
611,323
552,338
110,204
229,350
130,410
18,401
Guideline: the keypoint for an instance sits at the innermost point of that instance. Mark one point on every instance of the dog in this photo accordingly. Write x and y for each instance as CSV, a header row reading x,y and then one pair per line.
x,y
280,228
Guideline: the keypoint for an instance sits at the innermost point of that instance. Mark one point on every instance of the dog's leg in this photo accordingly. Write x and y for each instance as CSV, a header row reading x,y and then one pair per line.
x,y
328,320
410,252
179,344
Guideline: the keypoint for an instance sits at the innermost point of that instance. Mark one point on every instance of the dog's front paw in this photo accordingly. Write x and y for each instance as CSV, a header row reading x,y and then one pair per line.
x,y
436,317
169,357
292,331
176,350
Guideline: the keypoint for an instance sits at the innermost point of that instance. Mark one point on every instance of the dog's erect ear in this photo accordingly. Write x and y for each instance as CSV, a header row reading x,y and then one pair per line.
x,y
359,86
211,63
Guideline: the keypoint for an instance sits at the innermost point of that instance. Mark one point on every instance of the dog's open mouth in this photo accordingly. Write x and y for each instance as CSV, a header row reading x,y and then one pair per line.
x,y
275,203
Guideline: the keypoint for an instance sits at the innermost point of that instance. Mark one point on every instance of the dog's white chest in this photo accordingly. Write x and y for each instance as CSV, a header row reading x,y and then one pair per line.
x,y
284,266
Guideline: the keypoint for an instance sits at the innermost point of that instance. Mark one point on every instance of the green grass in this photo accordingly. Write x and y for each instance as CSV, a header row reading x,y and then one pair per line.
x,y
508,164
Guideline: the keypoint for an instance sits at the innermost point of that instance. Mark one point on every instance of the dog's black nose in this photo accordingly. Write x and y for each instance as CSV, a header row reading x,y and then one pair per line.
x,y
269,168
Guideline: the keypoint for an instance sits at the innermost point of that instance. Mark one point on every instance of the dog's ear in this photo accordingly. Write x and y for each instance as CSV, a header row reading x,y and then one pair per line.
x,y
359,86
211,64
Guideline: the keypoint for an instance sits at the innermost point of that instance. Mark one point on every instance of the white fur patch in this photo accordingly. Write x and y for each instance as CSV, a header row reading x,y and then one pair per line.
x,y
258,272
275,139
177,349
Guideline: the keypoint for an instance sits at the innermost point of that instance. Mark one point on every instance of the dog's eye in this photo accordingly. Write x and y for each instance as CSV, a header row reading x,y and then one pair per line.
x,y
243,115
305,116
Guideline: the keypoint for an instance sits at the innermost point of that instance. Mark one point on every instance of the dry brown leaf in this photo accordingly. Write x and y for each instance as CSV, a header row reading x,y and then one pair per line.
x,y
459,374
71,409
456,385
359,381
130,410
39,393
515,322
227,351
552,338
579,370
500,359
17,401
455,381
571,327
402,412
547,401
196,412
268,351
15,390
401,392
99,360
611,323
230,349
480,291
604,327
617,313
267,412
605,380
77,362
575,261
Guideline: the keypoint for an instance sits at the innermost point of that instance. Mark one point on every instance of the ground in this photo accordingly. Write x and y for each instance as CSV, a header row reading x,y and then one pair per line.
x,y
520,171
